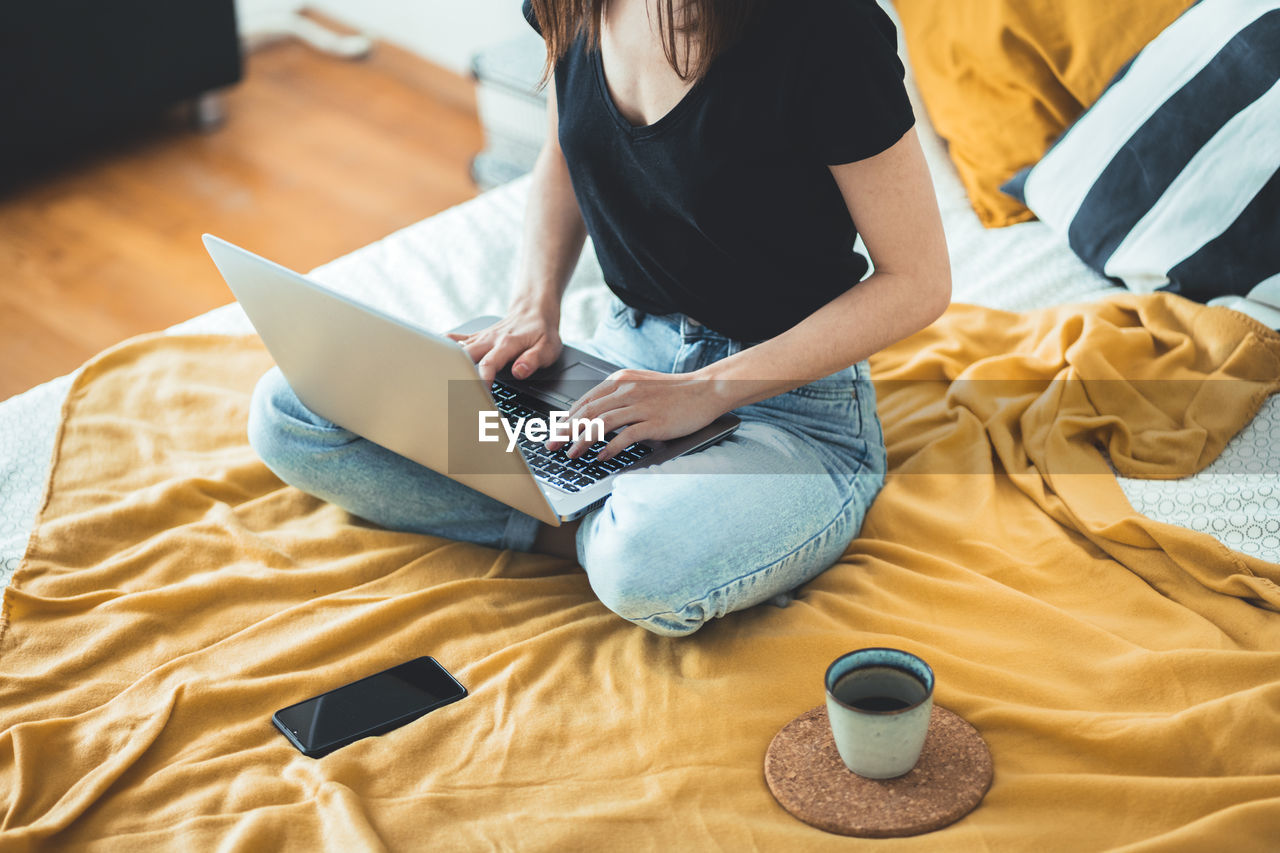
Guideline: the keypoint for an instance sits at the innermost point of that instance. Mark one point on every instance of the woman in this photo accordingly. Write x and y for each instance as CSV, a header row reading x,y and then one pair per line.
x,y
718,153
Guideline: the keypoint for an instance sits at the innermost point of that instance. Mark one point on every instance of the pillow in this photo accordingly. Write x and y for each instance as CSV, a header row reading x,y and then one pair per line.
x,y
1171,181
1002,79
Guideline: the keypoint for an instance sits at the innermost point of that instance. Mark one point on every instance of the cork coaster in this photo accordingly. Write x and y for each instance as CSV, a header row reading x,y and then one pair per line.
x,y
807,777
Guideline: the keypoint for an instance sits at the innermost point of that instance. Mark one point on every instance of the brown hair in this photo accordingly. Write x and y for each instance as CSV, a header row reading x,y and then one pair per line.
x,y
703,28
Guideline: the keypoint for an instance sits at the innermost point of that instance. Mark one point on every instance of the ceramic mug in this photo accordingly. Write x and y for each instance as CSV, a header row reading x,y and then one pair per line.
x,y
879,702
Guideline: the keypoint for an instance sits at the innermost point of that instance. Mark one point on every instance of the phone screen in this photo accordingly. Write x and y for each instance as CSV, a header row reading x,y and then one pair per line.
x,y
370,706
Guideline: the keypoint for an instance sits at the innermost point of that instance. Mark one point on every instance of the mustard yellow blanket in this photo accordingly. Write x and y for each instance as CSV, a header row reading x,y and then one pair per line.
x,y
1125,673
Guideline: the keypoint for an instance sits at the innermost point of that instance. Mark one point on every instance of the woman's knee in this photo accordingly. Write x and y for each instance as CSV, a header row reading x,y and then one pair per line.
x,y
670,571
630,572
283,432
265,412
268,418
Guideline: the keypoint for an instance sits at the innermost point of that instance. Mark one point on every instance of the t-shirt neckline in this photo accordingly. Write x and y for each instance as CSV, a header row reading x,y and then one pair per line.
x,y
668,118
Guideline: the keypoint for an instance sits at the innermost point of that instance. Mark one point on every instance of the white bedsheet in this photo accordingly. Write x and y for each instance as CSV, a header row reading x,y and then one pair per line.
x,y
460,264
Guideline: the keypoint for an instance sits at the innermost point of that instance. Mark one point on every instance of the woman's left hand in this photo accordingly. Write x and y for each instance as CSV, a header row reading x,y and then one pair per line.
x,y
645,404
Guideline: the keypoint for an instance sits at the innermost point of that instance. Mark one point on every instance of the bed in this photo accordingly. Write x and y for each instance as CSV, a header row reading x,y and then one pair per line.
x,y
458,264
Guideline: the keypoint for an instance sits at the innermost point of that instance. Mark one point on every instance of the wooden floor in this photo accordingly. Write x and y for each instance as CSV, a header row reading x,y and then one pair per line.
x,y
318,157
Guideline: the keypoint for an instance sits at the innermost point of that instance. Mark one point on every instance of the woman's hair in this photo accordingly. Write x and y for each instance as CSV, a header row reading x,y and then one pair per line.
x,y
694,32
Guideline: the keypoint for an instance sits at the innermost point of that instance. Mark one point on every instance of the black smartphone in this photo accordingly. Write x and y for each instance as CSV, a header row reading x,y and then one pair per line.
x,y
371,706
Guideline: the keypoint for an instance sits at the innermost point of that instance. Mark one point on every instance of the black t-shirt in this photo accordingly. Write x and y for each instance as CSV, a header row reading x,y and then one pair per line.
x,y
724,209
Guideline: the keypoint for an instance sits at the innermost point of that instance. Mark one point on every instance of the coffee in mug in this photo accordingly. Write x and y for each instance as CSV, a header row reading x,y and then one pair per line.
x,y
879,702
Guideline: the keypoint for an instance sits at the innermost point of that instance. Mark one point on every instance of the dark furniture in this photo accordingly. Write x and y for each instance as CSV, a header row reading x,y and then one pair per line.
x,y
73,72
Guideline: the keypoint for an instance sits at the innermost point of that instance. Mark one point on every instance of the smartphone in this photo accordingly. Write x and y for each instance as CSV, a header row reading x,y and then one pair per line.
x,y
371,706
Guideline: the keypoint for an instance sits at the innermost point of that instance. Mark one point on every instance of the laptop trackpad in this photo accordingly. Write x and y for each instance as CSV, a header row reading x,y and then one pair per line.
x,y
566,384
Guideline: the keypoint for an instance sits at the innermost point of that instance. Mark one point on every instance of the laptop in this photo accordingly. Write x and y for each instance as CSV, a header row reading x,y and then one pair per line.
x,y
418,394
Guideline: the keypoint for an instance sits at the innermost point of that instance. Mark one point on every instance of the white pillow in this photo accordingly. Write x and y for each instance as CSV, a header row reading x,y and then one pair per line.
x,y
1171,181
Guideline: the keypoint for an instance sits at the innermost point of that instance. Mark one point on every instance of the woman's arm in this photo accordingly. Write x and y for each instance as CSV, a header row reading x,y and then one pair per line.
x,y
891,198
892,201
553,237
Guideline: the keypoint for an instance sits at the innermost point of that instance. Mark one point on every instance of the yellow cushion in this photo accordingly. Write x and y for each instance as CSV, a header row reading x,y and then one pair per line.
x,y
1002,79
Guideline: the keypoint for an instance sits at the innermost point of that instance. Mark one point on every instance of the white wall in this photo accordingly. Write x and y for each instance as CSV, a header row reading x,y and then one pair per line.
x,y
448,32
255,16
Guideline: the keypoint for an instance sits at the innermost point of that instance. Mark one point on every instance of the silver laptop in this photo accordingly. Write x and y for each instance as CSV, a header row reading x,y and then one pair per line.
x,y
417,393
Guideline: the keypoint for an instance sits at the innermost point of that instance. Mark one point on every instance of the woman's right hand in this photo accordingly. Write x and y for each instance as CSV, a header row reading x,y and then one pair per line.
x,y
526,339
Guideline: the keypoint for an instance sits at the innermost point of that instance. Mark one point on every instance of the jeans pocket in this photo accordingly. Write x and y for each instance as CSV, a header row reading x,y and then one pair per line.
x,y
825,411
841,385
829,409
835,392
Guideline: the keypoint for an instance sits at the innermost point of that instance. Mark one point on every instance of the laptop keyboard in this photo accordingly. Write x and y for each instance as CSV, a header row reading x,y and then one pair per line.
x,y
555,466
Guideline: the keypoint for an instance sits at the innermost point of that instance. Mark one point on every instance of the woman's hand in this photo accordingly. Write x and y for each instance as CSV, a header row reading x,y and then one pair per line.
x,y
526,339
645,404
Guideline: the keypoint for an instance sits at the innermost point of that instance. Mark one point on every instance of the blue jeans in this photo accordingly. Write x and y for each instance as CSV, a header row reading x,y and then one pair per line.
x,y
737,524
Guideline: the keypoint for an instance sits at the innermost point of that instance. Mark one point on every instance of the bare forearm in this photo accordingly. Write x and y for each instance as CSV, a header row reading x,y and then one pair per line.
x,y
554,234
864,320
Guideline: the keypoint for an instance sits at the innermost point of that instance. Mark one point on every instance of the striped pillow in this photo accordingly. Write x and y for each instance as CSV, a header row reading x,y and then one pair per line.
x,y
1171,181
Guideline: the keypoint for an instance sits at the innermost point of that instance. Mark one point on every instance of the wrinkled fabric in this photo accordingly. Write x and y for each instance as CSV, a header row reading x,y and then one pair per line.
x,y
1125,673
